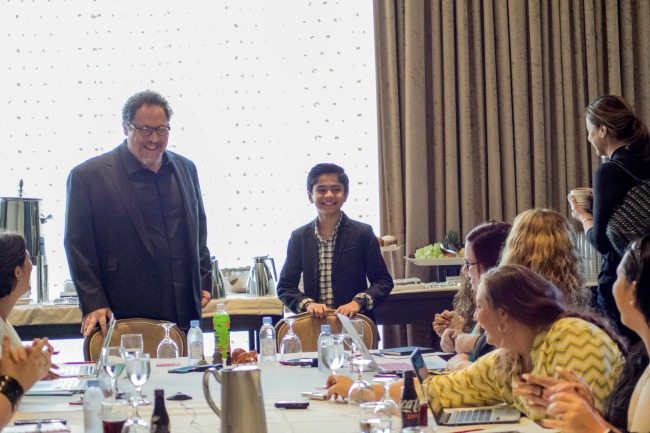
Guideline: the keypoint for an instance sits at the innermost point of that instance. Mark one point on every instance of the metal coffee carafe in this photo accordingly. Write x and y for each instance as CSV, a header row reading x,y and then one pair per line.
x,y
218,283
260,280
242,402
21,215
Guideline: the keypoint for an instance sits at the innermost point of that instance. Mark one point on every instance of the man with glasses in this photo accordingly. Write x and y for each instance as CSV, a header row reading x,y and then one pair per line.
x,y
135,234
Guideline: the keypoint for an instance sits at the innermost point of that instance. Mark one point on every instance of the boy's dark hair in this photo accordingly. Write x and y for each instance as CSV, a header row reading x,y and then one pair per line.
x,y
327,168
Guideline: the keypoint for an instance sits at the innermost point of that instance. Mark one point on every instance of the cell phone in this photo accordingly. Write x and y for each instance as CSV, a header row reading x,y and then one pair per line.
x,y
191,368
303,362
292,404
313,395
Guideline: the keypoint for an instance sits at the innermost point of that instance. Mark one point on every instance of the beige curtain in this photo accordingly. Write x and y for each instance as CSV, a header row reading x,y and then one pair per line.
x,y
481,105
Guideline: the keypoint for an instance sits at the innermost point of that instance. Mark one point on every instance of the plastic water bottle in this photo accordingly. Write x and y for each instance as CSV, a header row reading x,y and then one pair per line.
x,y
267,340
221,323
93,398
325,334
195,342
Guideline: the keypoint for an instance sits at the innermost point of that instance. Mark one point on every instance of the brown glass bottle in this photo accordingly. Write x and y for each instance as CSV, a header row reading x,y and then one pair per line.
x,y
409,405
159,418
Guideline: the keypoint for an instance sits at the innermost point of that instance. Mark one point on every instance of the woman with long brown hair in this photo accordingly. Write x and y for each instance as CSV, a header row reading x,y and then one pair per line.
x,y
617,134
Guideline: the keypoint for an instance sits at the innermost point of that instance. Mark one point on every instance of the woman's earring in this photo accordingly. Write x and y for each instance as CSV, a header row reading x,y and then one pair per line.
x,y
505,327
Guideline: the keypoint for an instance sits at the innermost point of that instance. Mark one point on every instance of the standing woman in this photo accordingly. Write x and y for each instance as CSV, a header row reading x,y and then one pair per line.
x,y
615,132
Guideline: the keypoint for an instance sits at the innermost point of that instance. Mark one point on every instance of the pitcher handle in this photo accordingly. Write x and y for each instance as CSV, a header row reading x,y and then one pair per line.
x,y
275,274
206,389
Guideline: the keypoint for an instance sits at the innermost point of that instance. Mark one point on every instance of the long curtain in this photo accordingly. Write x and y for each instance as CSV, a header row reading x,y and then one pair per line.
x,y
481,105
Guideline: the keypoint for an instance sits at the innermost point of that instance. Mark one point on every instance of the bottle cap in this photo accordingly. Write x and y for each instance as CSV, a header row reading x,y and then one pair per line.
x,y
325,328
159,392
90,383
194,323
266,320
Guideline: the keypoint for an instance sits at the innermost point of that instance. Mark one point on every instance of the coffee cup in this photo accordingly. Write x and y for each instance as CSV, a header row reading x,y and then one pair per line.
x,y
582,197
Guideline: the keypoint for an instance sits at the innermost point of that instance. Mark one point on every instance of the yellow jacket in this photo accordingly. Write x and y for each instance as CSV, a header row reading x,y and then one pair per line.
x,y
569,343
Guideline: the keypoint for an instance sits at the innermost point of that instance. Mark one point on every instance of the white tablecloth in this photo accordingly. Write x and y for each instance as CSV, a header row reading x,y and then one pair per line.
x,y
278,383
49,314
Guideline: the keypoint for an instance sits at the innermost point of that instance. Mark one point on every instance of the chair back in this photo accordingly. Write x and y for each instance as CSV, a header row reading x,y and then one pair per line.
x,y
151,332
307,328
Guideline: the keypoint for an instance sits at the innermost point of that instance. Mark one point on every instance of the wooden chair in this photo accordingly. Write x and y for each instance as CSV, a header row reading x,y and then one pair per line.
x,y
151,332
308,329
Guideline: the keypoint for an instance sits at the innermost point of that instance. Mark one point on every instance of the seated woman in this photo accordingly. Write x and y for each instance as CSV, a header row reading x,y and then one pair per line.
x,y
482,249
570,403
20,366
535,332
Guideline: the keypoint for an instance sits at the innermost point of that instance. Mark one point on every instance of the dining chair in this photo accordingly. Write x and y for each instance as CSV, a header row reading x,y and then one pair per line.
x,y
151,332
307,328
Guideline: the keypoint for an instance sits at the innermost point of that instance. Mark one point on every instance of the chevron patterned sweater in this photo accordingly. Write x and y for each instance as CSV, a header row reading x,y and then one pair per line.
x,y
570,343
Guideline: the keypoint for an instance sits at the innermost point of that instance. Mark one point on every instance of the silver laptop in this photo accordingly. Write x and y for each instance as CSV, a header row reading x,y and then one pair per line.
x,y
69,383
501,413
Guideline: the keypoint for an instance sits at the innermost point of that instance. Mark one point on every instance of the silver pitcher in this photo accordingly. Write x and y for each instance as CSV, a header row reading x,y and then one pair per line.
x,y
242,402
21,215
260,280
218,283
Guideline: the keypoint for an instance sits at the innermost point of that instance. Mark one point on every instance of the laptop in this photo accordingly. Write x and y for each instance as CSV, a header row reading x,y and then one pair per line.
x,y
71,383
382,367
502,413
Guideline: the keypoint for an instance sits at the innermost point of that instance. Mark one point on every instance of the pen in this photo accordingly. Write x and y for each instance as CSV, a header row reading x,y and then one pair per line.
x,y
467,431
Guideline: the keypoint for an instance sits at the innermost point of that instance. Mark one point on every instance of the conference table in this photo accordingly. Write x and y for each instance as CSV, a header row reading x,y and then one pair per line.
x,y
279,382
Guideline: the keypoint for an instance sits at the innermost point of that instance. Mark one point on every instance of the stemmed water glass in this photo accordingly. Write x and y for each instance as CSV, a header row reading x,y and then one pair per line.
x,y
389,404
138,368
333,355
113,365
290,342
360,391
167,348
131,345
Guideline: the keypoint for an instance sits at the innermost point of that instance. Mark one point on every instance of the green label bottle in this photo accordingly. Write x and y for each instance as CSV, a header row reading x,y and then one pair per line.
x,y
221,323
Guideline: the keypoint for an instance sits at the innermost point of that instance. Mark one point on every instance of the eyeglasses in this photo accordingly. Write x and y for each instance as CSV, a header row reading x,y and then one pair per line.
x,y
469,264
146,131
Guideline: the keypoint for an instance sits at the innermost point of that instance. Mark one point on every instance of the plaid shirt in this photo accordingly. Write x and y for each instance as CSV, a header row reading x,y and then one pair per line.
x,y
325,260
325,256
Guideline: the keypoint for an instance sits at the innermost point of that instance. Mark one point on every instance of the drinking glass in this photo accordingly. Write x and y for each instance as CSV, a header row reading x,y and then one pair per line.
x,y
131,345
167,348
138,369
360,391
290,342
333,355
390,404
113,365
374,417
114,415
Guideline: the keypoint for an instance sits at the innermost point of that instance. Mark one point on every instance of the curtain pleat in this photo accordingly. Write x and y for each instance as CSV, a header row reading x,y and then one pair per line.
x,y
482,104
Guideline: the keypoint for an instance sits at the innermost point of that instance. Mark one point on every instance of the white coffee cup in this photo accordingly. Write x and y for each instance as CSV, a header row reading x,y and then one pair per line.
x,y
582,197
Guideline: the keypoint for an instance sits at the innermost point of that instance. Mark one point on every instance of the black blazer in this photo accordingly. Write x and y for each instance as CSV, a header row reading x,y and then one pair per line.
x,y
357,259
110,255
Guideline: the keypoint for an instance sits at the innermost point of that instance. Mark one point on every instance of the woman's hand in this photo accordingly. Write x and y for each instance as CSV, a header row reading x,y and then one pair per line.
x,y
578,212
448,340
442,321
537,390
26,364
573,414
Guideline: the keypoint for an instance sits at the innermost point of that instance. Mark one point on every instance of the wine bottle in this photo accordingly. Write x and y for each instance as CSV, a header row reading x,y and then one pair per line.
x,y
159,418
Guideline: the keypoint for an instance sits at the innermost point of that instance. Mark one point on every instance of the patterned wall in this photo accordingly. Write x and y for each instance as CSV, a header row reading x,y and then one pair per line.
x,y
261,91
